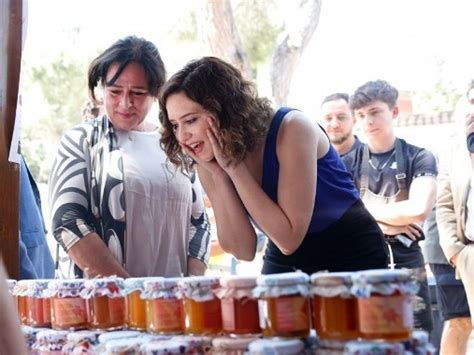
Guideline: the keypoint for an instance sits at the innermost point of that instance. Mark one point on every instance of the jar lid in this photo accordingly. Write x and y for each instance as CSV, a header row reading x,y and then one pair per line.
x,y
373,347
384,281
199,281
235,281
200,344
199,288
109,286
284,279
135,283
118,334
161,283
65,288
164,347
328,279
124,346
11,284
35,288
52,336
276,346
79,336
384,275
228,343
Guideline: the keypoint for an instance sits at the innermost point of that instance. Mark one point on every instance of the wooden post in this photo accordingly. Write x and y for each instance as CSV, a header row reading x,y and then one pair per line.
x,y
11,14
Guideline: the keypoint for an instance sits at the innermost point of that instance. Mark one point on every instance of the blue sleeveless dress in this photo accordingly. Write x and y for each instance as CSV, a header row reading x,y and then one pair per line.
x,y
342,235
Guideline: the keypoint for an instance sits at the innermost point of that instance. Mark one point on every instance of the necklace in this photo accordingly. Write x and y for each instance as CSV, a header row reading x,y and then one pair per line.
x,y
383,165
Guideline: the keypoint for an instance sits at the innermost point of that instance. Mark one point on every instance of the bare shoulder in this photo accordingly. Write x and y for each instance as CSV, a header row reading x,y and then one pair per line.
x,y
298,129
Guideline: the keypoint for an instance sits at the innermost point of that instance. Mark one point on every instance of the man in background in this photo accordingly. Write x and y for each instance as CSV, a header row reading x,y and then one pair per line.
x,y
397,182
455,203
338,122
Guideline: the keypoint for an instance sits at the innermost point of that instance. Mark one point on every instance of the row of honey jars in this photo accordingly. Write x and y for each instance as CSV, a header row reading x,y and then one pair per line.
x,y
34,306
372,304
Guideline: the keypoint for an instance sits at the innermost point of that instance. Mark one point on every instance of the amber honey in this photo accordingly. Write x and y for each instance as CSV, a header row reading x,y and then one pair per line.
x,y
239,308
203,317
105,303
202,307
385,309
136,307
285,316
38,306
164,306
284,307
68,308
165,316
39,312
334,308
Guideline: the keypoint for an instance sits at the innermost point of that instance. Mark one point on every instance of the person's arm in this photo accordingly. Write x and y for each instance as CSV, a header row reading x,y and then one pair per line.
x,y
94,258
415,209
235,233
69,189
11,338
200,232
287,221
445,212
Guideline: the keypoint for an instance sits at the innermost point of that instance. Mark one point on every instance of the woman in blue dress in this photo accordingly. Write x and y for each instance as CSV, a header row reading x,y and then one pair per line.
x,y
273,168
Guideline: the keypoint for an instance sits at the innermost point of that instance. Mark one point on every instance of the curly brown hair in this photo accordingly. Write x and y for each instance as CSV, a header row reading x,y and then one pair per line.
x,y
242,117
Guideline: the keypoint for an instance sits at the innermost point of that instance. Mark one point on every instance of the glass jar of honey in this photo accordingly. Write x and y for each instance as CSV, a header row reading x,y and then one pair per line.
x,y
284,308
105,302
334,310
239,307
202,307
68,308
19,291
164,306
38,305
384,301
136,308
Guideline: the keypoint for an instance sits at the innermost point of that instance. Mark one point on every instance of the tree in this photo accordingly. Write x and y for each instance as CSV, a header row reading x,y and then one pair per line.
x,y
222,36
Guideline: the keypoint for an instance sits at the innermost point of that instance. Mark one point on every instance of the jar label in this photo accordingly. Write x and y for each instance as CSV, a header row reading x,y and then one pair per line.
x,y
69,311
167,314
117,310
290,314
385,315
228,313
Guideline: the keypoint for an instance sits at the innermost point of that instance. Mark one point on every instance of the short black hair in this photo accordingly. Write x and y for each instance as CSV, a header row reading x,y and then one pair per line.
x,y
336,96
371,91
128,50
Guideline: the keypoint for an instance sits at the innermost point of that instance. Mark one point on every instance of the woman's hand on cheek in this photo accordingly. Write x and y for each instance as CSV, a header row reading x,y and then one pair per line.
x,y
224,161
211,166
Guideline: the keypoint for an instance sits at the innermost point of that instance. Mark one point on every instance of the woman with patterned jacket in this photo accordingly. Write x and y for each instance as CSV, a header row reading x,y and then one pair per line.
x,y
117,206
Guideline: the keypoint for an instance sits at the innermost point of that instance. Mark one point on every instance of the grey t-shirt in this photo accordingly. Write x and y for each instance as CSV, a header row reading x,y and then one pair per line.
x,y
158,206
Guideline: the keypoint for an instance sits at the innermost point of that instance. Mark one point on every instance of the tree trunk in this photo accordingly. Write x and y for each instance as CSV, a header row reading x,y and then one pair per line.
x,y
11,14
222,36
289,51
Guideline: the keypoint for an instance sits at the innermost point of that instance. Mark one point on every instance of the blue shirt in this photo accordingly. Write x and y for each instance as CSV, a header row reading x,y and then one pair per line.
x,y
335,191
36,261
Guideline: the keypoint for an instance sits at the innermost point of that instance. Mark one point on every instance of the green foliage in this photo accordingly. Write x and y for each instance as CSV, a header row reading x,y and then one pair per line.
x,y
186,29
63,88
442,97
257,31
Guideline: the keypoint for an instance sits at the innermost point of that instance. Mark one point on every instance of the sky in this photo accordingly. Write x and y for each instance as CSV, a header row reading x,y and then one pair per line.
x,y
356,40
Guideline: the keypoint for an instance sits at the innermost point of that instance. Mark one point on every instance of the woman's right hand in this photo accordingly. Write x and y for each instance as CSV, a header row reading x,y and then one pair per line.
x,y
208,167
